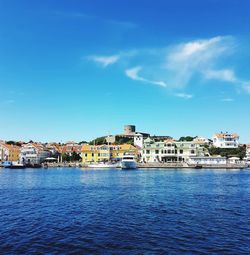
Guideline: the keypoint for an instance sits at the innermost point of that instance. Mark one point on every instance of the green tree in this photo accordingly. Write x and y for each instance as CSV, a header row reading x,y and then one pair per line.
x,y
98,141
75,157
65,157
229,152
82,142
186,138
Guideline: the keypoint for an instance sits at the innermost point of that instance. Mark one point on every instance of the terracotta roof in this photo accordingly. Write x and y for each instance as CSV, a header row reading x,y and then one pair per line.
x,y
169,140
10,146
223,135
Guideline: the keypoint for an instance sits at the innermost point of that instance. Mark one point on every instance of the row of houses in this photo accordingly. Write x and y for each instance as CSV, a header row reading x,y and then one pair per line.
x,y
147,148
36,153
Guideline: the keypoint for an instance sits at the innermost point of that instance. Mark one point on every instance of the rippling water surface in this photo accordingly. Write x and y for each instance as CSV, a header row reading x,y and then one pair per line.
x,y
73,211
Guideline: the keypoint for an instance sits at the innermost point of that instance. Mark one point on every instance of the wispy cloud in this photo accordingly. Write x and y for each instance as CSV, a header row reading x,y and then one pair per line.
x,y
184,95
185,60
105,60
133,73
175,67
223,74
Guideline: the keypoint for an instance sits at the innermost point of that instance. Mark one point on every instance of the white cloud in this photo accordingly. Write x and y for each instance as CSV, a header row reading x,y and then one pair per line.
x,y
105,60
185,60
176,67
184,95
223,74
133,74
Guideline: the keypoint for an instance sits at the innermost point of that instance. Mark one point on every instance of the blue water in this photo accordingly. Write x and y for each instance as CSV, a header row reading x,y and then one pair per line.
x,y
73,211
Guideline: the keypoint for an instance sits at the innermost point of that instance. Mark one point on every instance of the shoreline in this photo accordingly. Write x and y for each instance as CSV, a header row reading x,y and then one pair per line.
x,y
145,166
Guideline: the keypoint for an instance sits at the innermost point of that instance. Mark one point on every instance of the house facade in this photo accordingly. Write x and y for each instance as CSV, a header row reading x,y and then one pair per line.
x,y
170,151
71,147
225,140
100,153
33,153
9,152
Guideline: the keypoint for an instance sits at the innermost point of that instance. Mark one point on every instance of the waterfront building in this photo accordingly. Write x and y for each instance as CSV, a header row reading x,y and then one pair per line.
x,y
225,140
33,153
100,153
170,150
186,149
158,151
9,152
201,160
234,160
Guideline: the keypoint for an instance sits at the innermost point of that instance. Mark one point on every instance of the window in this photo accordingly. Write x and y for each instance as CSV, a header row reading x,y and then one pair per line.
x,y
192,151
156,151
147,151
181,151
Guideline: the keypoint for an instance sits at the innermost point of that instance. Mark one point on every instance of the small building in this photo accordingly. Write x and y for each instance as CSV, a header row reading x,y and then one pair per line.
x,y
201,140
201,160
102,153
234,160
225,140
9,152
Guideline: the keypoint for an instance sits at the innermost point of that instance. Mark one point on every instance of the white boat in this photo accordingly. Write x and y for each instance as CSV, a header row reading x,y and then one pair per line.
x,y
13,165
103,165
128,162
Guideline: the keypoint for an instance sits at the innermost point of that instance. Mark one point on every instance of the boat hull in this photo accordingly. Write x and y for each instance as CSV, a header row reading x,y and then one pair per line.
x,y
128,165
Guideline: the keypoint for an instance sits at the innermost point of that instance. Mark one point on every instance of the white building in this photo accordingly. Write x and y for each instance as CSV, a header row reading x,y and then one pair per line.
x,y
158,151
218,160
170,151
201,140
33,153
225,140
138,140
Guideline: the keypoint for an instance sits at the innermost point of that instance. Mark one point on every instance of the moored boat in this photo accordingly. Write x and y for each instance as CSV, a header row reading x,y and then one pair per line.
x,y
128,162
13,165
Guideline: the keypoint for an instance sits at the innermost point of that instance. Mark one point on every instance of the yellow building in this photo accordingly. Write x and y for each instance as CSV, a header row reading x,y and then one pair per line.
x,y
99,153
9,152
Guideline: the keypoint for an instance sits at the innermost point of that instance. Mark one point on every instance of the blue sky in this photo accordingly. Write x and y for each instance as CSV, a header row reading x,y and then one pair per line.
x,y
74,70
